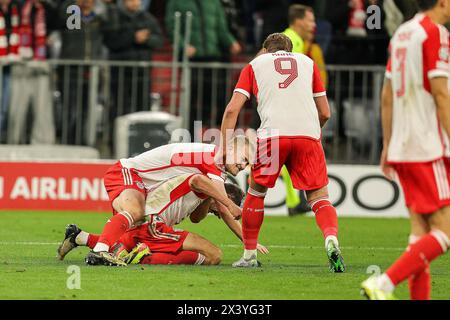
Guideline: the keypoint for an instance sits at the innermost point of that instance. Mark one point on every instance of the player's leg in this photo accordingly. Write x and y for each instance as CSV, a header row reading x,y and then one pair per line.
x,y
206,250
189,248
271,155
130,206
327,221
415,260
307,166
426,189
74,237
127,194
419,283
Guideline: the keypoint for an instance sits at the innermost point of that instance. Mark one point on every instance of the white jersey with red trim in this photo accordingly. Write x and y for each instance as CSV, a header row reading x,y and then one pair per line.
x,y
285,85
173,200
419,51
168,161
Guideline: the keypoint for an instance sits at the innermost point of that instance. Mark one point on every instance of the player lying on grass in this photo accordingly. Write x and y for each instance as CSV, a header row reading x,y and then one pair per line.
x,y
415,110
293,107
157,240
128,181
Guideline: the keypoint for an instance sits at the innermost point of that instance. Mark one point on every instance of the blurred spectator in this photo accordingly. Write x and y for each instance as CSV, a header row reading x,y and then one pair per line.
x,y
210,34
30,81
273,13
9,39
85,43
231,11
138,34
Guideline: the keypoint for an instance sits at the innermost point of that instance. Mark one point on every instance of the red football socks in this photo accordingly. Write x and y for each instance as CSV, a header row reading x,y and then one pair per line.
x,y
183,257
417,257
252,218
326,217
92,240
114,229
420,285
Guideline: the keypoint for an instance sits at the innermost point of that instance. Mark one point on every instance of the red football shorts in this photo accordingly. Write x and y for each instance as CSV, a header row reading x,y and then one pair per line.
x,y
118,178
303,157
158,236
425,185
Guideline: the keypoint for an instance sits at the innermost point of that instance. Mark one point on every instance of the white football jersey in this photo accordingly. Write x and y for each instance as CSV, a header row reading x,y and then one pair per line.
x,y
419,51
173,200
168,161
284,85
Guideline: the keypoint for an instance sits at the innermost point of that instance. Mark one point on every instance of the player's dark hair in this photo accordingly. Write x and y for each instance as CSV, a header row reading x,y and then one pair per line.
x,y
297,11
235,193
276,42
426,4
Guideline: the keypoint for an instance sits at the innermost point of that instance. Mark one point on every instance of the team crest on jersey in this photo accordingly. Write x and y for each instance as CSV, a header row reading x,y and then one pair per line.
x,y
140,185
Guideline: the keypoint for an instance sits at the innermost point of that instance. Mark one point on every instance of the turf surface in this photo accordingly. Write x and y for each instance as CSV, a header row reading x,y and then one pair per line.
x,y
296,267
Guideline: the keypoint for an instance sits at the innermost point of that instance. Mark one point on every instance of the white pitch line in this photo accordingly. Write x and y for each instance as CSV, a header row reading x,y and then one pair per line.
x,y
275,246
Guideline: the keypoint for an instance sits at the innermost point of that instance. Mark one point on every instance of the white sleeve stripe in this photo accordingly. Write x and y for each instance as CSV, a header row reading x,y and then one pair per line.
x,y
388,74
244,92
438,73
319,94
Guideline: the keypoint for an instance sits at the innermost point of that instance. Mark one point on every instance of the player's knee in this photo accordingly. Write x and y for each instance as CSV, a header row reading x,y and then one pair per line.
x,y
135,206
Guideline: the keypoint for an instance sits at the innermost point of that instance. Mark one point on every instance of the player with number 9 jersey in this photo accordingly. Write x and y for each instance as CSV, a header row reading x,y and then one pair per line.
x,y
293,107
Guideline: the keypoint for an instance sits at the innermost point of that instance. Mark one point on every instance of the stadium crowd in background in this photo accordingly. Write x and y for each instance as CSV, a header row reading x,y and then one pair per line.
x,y
133,30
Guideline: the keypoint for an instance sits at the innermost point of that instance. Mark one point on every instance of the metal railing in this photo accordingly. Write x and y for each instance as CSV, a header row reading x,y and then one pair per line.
x,y
88,95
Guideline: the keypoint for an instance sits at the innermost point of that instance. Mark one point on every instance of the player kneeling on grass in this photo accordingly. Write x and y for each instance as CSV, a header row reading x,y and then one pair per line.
x,y
129,181
156,241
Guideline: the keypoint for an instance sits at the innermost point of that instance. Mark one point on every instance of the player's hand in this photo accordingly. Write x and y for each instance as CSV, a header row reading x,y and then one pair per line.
x,y
262,249
235,211
387,169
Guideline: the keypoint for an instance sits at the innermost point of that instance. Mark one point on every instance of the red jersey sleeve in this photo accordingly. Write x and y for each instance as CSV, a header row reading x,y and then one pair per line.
x,y
318,87
436,53
245,84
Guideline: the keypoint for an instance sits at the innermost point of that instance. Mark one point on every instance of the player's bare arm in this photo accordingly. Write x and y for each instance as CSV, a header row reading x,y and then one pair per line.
x,y
323,108
386,121
216,190
439,90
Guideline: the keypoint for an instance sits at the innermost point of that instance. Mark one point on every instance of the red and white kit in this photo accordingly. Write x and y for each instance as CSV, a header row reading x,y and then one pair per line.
x,y
285,85
149,169
167,205
419,147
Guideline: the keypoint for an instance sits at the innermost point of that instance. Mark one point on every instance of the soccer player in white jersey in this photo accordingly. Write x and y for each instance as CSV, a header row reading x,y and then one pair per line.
x,y
293,106
129,180
416,126
157,241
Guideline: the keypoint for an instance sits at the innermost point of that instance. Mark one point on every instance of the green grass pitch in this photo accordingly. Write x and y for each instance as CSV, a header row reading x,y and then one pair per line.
x,y
296,267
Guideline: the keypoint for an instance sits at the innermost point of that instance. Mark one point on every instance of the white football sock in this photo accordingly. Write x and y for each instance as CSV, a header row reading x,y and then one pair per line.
x,y
99,247
249,254
82,238
385,284
332,238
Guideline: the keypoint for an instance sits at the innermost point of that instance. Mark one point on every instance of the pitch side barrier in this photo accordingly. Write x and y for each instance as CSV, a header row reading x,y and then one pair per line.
x,y
356,190
87,97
